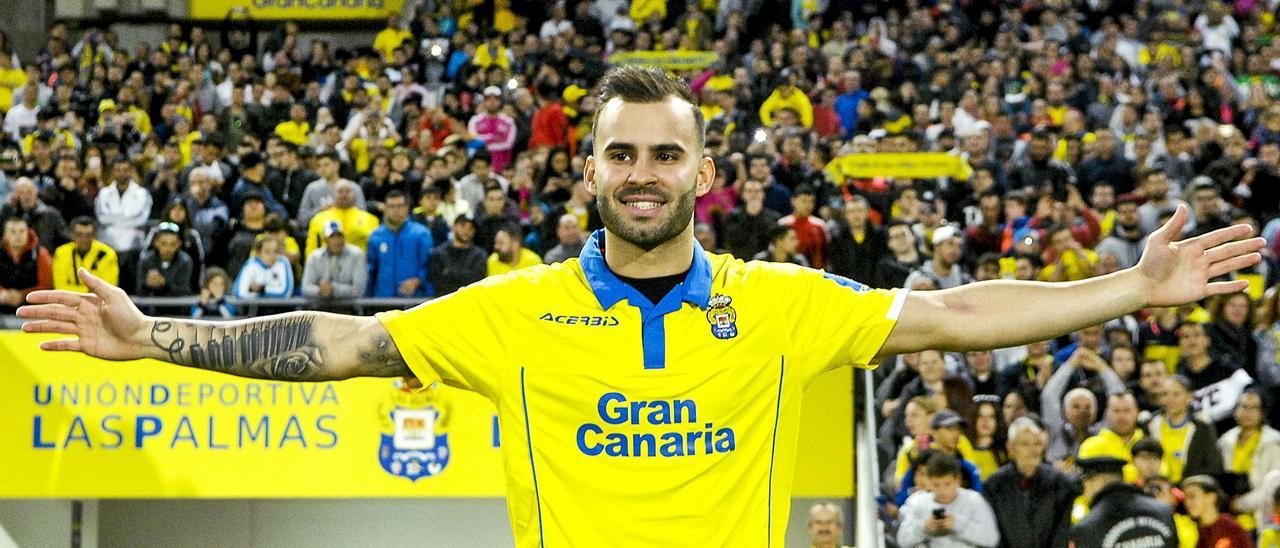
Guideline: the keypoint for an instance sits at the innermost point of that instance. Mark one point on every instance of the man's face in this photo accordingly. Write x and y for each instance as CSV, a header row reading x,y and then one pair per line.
x,y
328,168
1158,186
1206,201
948,251
759,169
396,210
254,209
1027,448
25,193
1091,337
210,153
647,171
789,243
824,527
1079,411
1103,197
83,236
568,231
121,172
15,234
1151,376
753,192
1127,215
855,213
335,242
482,169
900,240
495,201
1039,149
463,233
1122,414
979,361
505,246
932,366
344,197
989,206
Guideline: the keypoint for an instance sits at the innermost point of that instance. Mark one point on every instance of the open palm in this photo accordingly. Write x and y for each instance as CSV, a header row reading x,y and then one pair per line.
x,y
1179,272
107,323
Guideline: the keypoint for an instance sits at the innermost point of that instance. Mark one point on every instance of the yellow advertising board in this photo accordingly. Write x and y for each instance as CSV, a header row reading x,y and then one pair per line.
x,y
295,9
670,60
905,165
72,426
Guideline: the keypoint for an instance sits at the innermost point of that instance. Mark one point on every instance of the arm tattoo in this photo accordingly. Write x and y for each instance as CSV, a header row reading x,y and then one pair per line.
x,y
280,349
383,359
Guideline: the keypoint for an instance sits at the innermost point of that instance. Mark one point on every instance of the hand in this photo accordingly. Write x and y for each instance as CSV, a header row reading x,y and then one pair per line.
x,y
155,279
326,288
1174,273
1086,359
106,322
948,522
256,288
408,286
935,526
204,295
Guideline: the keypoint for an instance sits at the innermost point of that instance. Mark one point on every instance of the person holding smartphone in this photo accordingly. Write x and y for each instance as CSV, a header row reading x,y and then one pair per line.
x,y
946,514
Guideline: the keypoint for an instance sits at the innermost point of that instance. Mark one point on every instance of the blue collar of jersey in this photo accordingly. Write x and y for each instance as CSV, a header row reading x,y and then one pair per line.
x,y
609,289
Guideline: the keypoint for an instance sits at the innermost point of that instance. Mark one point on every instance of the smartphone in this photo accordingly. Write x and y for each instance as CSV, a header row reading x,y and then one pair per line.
x,y
939,512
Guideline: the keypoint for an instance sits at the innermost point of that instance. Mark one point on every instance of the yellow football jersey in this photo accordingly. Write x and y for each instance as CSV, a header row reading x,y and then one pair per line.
x,y
624,420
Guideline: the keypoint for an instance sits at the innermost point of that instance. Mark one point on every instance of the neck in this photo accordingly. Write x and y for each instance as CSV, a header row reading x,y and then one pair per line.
x,y
668,259
1247,431
1176,416
1209,517
394,226
1199,362
460,244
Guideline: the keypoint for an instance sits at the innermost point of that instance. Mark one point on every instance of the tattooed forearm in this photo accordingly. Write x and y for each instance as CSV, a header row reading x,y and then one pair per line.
x,y
380,355
281,348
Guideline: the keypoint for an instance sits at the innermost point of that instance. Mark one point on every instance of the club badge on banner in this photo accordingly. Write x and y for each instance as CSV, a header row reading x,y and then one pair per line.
x,y
79,427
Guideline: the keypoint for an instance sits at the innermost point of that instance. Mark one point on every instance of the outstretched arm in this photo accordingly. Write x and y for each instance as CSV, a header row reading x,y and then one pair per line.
x,y
1003,313
297,346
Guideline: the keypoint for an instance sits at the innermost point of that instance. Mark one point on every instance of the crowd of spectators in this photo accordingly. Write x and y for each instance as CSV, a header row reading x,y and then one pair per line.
x,y
252,162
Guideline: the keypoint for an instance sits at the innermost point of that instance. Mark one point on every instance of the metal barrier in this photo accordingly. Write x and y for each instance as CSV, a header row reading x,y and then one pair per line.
x,y
248,308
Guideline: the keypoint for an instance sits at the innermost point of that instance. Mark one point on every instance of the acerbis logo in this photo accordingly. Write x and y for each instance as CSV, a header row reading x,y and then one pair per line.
x,y
587,321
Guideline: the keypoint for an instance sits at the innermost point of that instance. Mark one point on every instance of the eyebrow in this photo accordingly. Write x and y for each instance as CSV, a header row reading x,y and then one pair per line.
x,y
661,147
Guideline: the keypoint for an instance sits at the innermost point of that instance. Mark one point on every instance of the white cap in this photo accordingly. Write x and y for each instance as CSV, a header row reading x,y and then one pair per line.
x,y
944,233
493,90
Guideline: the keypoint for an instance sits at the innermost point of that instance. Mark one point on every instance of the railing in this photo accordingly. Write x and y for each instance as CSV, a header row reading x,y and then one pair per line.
x,y
248,308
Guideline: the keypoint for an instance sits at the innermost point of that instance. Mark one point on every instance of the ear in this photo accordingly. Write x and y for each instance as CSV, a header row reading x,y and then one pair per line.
x,y
706,175
589,175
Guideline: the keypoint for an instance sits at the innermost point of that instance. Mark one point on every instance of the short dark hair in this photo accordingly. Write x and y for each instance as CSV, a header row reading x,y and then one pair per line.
x,y
330,155
778,232
1149,446
941,465
396,193
647,84
85,220
803,189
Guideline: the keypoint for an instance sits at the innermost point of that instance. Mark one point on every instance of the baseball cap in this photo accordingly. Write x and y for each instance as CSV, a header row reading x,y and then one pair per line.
x,y
493,90
944,233
573,93
106,104
1097,456
465,218
946,418
331,228
169,227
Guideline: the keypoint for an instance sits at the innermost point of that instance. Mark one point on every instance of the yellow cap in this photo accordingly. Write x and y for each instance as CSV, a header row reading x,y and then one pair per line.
x,y
573,93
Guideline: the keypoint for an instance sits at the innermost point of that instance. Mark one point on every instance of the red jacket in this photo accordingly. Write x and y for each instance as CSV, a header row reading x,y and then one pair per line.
x,y
26,269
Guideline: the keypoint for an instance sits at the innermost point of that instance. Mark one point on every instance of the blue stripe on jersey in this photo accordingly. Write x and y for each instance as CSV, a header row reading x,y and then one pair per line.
x,y
537,498
773,446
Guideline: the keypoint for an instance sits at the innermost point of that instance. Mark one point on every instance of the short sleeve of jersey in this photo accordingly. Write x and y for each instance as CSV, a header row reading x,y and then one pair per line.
x,y
455,339
839,322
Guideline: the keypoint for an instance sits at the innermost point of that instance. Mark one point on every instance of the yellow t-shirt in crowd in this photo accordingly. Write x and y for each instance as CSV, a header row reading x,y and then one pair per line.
x,y
527,259
1175,442
613,429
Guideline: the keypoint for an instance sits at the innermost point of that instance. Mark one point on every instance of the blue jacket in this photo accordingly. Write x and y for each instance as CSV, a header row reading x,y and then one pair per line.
x,y
397,256
847,107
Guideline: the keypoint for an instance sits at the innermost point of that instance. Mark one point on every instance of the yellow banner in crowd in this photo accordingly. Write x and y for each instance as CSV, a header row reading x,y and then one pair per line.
x,y
670,60
79,427
904,165
295,9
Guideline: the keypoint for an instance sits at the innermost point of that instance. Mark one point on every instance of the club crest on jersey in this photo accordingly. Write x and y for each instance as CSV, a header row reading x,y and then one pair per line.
x,y
722,317
414,440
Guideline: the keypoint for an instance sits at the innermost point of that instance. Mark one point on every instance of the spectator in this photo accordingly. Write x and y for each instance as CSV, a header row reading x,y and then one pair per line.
x,y
266,274
357,224
1230,333
84,250
509,253
786,96
988,452
458,262
1070,261
399,253
905,257
946,514
336,270
1127,238
165,269
213,159
1252,449
1148,460
1206,503
287,177
1189,442
1121,429
253,173
480,176
321,193
1031,500
242,235
857,245
944,267
1151,375
1113,504
826,525
947,432
1269,534
777,197
213,296
811,232
44,220
176,212
429,212
1108,164
784,247
495,128
1068,419
747,227
24,265
570,240
492,215
1197,363
210,217
123,208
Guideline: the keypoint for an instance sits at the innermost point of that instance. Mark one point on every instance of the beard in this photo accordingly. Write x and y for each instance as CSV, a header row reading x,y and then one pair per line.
x,y
506,256
648,234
